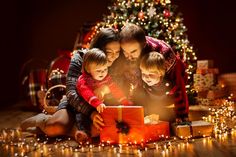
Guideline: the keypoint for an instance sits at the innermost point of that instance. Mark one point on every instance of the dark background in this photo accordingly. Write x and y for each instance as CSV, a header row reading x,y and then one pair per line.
x,y
39,28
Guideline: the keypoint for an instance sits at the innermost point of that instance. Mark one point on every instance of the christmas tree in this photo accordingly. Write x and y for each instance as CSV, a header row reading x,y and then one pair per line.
x,y
159,19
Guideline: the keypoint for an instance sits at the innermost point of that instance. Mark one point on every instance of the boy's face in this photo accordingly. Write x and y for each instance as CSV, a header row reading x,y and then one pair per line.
x,y
132,50
112,50
98,72
150,77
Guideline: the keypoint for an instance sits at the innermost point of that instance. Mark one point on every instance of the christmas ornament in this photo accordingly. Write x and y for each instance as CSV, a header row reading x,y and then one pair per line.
x,y
128,4
141,15
166,13
151,11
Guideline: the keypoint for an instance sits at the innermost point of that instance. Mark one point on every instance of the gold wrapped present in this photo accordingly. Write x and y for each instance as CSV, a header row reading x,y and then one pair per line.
x,y
207,71
194,129
203,82
204,64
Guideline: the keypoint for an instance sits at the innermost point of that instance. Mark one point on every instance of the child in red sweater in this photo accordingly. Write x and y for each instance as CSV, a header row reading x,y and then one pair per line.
x,y
164,89
95,78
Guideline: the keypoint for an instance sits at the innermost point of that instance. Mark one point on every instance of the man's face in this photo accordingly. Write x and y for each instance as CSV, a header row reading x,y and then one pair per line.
x,y
132,50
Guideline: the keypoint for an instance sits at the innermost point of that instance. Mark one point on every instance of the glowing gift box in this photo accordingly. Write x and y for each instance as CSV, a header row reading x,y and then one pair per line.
x,y
194,129
123,124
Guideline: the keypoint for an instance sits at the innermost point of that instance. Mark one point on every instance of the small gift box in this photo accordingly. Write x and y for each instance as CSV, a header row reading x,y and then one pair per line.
x,y
203,82
204,64
217,93
193,129
207,71
155,129
123,124
154,132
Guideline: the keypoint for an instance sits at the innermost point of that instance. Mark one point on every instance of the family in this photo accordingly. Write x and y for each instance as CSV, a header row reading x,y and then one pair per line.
x,y
119,68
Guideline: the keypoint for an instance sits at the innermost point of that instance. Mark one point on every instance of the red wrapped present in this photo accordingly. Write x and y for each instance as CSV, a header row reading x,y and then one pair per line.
x,y
123,124
154,132
195,129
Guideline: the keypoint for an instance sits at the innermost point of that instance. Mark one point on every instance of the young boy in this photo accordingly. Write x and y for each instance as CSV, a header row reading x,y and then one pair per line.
x,y
164,89
95,78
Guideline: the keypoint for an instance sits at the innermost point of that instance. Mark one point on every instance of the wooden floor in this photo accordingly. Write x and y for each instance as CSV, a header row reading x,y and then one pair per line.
x,y
15,143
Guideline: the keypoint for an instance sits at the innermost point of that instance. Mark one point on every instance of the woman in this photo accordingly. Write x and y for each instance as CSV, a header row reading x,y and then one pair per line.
x,y
62,121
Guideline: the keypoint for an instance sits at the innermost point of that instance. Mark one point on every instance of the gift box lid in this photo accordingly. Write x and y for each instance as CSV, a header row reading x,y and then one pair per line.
x,y
132,115
196,124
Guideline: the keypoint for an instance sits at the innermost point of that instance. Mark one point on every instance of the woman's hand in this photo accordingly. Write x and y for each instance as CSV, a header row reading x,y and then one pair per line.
x,y
97,120
101,107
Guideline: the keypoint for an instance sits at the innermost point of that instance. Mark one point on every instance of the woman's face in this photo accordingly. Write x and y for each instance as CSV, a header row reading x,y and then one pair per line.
x,y
112,51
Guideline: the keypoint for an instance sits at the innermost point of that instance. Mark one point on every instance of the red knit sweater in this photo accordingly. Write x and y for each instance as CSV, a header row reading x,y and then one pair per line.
x,y
86,86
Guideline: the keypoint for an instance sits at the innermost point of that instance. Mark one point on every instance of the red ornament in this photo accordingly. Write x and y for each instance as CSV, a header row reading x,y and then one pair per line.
x,y
141,15
166,13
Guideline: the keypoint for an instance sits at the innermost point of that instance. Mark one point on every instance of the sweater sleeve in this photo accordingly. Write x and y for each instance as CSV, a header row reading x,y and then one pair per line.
x,y
86,92
73,98
178,75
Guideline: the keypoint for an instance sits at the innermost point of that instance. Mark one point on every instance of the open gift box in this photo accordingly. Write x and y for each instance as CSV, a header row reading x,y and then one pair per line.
x,y
125,124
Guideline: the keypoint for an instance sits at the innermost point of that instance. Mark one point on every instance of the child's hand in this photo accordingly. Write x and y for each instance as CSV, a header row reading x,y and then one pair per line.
x,y
101,107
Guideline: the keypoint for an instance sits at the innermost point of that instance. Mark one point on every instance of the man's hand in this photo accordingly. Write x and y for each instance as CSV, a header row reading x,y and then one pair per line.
x,y
97,120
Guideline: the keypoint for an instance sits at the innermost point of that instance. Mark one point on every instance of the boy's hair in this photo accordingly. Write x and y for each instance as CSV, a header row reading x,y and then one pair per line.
x,y
132,32
95,56
104,36
154,62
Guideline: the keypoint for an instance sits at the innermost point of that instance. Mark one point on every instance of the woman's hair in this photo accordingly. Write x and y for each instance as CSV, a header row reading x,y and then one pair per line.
x,y
105,36
95,56
154,62
132,32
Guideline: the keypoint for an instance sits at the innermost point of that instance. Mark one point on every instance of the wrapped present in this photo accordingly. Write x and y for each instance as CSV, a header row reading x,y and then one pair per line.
x,y
56,77
123,124
217,93
229,79
204,101
193,129
154,132
204,64
203,82
213,92
207,71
